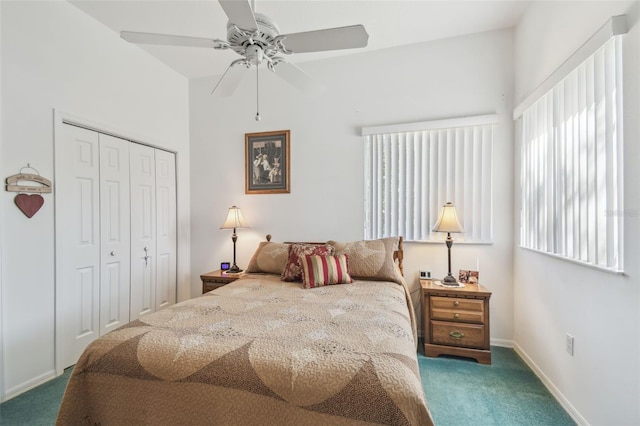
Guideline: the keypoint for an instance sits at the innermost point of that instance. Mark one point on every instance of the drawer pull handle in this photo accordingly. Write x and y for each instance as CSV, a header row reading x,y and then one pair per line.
x,y
456,316
456,334
456,303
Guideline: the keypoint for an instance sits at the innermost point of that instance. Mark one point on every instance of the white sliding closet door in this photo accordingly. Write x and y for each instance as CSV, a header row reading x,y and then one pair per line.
x,y
77,189
153,230
143,230
166,229
92,237
114,233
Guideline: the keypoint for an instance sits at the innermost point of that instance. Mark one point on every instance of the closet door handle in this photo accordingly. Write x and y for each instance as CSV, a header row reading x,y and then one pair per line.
x,y
146,257
113,253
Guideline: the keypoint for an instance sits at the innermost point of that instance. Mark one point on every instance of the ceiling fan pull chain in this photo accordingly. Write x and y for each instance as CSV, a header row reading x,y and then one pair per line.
x,y
257,94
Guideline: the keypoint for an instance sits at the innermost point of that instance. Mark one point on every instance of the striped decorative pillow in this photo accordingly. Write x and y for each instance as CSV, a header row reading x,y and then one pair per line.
x,y
318,271
293,269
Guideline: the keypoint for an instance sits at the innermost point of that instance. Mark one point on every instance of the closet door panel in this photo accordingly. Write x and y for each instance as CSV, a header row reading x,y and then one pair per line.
x,y
165,229
143,230
77,241
114,233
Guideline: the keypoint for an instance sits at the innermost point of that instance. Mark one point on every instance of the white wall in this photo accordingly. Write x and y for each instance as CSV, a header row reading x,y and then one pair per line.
x,y
451,78
600,384
55,56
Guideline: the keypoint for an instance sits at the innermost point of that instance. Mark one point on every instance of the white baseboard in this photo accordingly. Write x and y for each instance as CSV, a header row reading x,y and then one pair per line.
x,y
28,385
575,415
502,343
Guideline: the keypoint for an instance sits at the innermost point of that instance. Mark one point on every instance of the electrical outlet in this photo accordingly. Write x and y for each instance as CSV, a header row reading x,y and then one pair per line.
x,y
569,344
425,274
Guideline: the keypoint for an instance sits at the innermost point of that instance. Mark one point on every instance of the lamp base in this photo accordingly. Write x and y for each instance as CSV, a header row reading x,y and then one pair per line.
x,y
449,280
234,270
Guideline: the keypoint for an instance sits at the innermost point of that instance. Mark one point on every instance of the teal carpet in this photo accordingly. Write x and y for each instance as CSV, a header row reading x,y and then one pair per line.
x,y
505,393
37,407
460,392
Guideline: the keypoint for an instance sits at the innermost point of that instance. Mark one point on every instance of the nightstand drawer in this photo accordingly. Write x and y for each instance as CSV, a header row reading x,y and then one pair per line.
x,y
216,279
207,286
457,304
456,334
457,315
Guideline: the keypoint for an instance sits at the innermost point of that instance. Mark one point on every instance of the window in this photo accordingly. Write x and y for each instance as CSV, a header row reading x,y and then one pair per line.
x,y
571,169
411,170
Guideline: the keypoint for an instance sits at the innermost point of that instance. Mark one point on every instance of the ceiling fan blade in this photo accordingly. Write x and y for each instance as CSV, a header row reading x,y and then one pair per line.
x,y
298,78
239,12
327,39
230,80
168,40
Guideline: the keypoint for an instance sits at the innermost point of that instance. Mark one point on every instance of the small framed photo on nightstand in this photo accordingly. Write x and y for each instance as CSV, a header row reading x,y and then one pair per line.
x,y
469,277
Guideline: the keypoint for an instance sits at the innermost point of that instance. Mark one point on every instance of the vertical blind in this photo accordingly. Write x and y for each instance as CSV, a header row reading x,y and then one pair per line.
x,y
572,165
410,175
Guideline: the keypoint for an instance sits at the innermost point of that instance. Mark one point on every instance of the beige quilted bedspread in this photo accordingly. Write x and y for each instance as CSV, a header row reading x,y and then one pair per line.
x,y
257,352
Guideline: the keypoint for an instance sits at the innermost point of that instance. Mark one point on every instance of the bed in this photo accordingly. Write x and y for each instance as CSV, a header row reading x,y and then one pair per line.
x,y
265,351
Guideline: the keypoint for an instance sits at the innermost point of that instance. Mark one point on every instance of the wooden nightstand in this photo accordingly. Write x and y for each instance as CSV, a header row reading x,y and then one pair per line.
x,y
216,279
455,321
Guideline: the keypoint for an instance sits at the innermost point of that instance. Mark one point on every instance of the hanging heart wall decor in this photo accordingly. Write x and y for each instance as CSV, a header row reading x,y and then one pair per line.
x,y
29,204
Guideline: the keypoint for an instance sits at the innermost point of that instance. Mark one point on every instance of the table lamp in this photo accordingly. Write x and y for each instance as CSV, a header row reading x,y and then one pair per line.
x,y
234,220
448,222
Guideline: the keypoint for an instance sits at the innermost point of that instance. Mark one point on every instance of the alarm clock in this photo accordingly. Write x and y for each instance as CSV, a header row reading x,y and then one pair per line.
x,y
225,266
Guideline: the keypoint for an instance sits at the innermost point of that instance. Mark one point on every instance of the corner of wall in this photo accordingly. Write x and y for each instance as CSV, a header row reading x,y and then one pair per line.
x,y
2,374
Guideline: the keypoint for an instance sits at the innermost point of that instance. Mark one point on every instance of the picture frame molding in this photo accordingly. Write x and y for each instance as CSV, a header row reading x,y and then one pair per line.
x,y
283,171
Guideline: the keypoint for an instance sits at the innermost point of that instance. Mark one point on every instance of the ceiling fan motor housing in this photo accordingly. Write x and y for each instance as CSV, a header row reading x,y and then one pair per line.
x,y
263,37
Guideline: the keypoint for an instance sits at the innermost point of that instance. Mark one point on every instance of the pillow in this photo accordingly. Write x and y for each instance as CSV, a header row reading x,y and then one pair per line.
x,y
269,257
318,271
293,269
372,259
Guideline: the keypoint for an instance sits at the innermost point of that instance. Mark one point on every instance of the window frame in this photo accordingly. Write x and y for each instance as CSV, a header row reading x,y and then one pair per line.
x,y
570,125
415,214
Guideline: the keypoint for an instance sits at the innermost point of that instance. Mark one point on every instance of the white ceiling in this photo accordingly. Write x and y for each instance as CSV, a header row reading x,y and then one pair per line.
x,y
389,23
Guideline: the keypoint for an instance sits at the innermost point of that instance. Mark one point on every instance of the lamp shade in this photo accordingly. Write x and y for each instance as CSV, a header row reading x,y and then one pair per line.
x,y
234,219
448,220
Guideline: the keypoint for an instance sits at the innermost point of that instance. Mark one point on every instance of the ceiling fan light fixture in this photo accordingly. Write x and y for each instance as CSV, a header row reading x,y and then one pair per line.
x,y
254,55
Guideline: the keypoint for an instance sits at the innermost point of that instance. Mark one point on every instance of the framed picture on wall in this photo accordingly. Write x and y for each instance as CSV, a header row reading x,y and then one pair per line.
x,y
267,162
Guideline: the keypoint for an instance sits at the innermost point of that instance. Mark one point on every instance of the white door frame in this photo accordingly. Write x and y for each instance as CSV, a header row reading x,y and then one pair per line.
x,y
62,118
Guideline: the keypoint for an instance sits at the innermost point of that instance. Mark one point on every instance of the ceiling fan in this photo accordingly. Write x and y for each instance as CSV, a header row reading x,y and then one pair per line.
x,y
257,39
